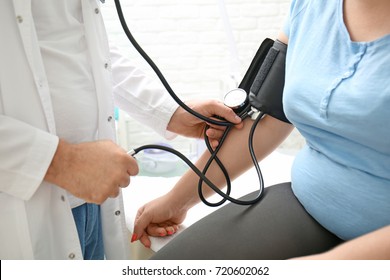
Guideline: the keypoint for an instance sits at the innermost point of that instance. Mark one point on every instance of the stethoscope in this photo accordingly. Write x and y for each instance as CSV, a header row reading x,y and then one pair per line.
x,y
237,99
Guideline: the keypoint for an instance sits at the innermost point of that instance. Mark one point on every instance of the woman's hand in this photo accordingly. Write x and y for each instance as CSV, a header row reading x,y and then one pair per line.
x,y
159,217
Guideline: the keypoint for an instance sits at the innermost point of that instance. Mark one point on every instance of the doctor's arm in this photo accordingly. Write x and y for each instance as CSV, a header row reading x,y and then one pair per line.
x,y
25,154
30,155
145,99
97,170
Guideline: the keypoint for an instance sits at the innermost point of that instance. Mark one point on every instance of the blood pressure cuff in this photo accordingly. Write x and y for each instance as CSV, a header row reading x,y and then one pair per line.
x,y
264,79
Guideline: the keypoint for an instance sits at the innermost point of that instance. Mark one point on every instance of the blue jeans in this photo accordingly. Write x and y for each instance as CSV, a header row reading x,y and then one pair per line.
x,y
89,228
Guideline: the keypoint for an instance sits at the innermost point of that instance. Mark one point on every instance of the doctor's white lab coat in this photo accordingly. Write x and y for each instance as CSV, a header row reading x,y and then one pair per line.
x,y
36,221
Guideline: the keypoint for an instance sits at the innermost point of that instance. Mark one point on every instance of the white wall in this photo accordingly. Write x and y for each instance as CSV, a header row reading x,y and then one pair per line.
x,y
188,41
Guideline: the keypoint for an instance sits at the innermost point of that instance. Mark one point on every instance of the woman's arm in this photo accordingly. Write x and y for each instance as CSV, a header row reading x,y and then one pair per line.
x,y
161,216
234,154
371,246
235,157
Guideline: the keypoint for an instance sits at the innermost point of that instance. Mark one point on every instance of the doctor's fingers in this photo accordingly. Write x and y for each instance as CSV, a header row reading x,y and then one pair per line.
x,y
214,136
115,192
125,183
215,133
101,195
217,108
121,177
132,168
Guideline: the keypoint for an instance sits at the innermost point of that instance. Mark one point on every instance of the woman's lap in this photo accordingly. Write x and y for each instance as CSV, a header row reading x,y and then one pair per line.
x,y
277,227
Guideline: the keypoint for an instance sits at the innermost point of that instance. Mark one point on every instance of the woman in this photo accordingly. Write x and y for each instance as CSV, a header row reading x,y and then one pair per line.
x,y
337,94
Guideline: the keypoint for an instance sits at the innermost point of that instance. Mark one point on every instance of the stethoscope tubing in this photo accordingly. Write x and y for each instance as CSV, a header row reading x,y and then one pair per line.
x,y
202,174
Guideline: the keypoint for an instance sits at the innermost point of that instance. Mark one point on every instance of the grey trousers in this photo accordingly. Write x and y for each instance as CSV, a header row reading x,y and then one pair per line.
x,y
276,228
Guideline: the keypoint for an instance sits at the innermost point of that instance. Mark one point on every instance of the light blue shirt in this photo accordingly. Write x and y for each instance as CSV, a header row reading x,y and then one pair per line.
x,y
337,94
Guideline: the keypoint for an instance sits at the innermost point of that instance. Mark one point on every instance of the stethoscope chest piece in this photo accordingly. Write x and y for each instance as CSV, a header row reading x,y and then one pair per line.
x,y
236,99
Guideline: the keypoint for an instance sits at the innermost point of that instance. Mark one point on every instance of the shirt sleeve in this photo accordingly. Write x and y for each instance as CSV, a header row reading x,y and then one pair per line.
x,y
142,97
286,26
296,7
26,153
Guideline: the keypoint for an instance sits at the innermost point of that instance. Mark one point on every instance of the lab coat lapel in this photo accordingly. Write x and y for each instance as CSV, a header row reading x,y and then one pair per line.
x,y
100,63
23,15
29,38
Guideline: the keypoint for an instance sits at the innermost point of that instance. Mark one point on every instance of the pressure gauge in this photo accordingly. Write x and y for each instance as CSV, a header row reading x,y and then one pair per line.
x,y
236,99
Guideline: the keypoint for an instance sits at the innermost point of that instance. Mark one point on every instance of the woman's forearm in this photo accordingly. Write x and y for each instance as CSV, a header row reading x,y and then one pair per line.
x,y
234,155
371,246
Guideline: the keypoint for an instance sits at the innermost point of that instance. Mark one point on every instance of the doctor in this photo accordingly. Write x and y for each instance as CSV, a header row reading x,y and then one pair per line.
x,y
60,171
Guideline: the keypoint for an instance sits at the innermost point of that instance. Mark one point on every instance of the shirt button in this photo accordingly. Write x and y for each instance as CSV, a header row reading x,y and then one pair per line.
x,y
106,65
96,11
62,198
109,119
19,19
71,256
117,213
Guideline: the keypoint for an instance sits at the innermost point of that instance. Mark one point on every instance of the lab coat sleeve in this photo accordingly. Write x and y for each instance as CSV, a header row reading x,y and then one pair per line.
x,y
143,98
25,155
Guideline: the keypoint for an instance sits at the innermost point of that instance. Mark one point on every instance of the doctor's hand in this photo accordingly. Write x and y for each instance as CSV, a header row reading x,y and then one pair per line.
x,y
185,124
159,217
92,171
